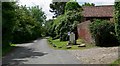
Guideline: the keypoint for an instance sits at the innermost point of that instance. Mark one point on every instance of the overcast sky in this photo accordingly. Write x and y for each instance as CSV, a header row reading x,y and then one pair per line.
x,y
44,4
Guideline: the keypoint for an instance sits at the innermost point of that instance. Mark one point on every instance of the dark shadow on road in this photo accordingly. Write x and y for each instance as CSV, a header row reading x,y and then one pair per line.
x,y
26,42
19,55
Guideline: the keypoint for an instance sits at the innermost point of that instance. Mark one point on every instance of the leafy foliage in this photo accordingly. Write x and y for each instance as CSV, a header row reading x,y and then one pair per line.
x,y
102,31
72,6
28,24
38,14
21,23
57,8
48,27
67,19
66,23
88,4
117,20
8,22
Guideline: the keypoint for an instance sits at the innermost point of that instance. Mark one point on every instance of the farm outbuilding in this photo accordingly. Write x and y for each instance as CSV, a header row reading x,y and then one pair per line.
x,y
90,13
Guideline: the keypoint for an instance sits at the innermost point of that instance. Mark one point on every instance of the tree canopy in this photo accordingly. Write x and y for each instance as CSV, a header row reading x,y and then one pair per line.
x,y
38,14
72,6
66,22
20,23
58,8
88,4
8,21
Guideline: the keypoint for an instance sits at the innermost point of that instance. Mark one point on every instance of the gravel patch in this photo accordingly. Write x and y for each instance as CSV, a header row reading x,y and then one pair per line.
x,y
98,55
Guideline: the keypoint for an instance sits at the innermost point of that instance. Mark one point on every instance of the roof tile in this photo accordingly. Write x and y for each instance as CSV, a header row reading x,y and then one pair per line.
x,y
98,11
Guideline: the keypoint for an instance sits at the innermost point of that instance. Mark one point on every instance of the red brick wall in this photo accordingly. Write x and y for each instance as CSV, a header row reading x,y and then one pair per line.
x,y
84,32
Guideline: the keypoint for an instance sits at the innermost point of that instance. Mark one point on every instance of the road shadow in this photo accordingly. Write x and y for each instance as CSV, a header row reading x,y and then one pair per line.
x,y
26,42
20,55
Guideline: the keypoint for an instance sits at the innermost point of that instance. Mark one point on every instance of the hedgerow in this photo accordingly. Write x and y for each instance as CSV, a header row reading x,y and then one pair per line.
x,y
103,33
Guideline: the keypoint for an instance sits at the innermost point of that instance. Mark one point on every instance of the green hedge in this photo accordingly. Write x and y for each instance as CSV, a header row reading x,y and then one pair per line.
x,y
103,33
117,19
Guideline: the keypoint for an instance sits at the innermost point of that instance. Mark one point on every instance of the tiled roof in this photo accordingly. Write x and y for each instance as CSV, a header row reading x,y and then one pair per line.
x,y
98,11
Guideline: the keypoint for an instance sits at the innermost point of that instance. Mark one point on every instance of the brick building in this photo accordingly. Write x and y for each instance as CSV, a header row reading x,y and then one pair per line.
x,y
89,13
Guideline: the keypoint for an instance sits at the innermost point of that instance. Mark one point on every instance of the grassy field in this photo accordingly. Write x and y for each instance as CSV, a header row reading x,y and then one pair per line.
x,y
63,44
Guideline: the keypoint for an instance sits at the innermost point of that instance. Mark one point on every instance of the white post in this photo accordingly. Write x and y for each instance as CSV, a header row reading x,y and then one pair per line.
x,y
72,38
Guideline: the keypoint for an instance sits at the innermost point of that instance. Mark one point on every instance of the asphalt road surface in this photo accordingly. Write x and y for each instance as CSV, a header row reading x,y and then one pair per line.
x,y
38,52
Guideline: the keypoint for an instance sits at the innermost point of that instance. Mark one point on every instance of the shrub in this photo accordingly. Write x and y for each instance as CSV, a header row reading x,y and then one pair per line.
x,y
103,33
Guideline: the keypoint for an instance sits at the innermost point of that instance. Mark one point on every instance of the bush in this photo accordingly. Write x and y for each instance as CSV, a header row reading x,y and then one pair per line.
x,y
103,33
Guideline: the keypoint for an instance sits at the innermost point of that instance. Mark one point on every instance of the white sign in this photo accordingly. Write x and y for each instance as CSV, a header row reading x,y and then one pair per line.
x,y
72,38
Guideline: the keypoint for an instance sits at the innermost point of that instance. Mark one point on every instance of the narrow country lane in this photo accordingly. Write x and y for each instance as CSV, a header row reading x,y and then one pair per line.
x,y
38,52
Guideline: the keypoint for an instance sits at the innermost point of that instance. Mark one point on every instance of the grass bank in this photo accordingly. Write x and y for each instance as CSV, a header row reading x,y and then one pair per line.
x,y
57,44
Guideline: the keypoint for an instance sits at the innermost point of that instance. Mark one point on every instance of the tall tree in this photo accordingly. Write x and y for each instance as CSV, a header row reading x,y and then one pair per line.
x,y
57,8
68,21
72,6
88,4
38,14
8,21
28,24
24,27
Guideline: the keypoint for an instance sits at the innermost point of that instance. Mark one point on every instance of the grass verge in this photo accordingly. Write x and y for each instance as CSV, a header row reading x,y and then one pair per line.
x,y
116,63
57,44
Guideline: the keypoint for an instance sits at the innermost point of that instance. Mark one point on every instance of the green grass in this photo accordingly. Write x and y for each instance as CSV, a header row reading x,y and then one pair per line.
x,y
63,44
58,43
115,63
12,45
